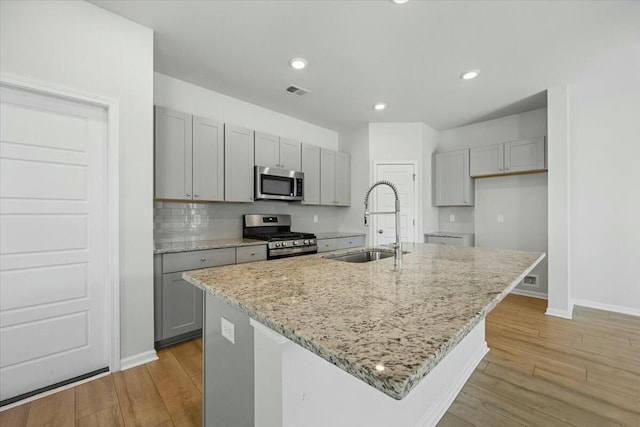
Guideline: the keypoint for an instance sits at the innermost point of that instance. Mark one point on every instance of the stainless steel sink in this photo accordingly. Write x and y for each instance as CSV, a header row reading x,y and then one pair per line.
x,y
363,256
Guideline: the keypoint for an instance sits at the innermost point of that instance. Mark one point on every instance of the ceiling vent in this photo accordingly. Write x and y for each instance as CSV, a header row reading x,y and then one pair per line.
x,y
297,90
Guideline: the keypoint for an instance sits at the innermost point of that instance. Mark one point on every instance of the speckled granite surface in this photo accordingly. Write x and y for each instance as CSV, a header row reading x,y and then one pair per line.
x,y
198,245
448,234
358,316
338,234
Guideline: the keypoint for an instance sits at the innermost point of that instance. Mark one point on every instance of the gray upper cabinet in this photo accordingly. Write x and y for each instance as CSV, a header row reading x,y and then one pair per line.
x,y
526,155
173,154
189,163
311,169
267,150
239,161
208,159
290,152
327,177
343,179
453,185
335,178
487,160
276,152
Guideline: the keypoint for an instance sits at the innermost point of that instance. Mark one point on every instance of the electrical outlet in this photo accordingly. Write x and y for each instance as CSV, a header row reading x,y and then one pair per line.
x,y
228,330
315,218
531,281
500,218
452,218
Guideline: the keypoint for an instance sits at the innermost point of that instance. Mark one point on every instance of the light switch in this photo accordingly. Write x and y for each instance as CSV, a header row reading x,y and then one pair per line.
x,y
228,330
452,218
315,218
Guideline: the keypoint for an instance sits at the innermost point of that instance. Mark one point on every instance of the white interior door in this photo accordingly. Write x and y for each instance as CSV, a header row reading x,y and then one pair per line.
x,y
403,176
53,243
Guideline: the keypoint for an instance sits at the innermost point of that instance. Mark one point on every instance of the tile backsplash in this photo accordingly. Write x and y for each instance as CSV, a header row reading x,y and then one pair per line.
x,y
176,221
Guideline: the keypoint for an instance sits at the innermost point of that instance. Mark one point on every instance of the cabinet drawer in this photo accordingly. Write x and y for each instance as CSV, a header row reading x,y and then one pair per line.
x,y
349,242
325,245
193,260
455,241
251,253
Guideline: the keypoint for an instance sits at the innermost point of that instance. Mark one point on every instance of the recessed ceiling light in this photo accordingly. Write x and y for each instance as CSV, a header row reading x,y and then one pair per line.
x,y
380,106
471,74
399,1
298,63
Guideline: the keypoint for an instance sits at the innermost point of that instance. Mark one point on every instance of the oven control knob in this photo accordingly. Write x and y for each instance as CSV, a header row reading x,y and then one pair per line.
x,y
296,243
277,244
306,242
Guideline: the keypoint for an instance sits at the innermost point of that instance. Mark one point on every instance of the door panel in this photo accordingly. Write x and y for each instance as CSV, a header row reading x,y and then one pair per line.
x,y
238,161
208,160
327,177
181,306
343,179
524,155
311,168
290,154
267,150
402,175
488,160
173,155
53,275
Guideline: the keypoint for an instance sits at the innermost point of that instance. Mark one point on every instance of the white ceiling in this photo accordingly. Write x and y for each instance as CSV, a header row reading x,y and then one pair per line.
x,y
361,52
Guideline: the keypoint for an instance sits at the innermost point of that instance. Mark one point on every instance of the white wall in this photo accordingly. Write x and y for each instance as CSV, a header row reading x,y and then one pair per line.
x,y
180,95
604,105
82,47
522,200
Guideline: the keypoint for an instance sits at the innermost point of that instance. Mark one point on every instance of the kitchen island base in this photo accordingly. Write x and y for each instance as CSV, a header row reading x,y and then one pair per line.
x,y
294,387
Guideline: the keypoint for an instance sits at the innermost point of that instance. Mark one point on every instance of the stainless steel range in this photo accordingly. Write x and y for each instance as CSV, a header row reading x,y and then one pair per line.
x,y
276,229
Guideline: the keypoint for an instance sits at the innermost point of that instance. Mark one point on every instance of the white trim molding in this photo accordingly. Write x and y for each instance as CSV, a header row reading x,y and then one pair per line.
x,y
568,314
113,195
607,307
528,293
138,359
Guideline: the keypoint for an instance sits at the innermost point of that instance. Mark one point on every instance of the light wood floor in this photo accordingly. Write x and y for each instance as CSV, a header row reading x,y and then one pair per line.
x,y
541,371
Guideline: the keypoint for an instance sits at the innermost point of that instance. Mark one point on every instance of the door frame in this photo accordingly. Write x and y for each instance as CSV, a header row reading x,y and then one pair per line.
x,y
113,201
417,190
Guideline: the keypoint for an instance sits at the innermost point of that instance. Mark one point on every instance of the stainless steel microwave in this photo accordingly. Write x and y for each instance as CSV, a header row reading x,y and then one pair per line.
x,y
278,184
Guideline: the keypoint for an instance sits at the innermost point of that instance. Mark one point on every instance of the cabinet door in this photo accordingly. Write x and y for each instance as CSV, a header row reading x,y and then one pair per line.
x,y
524,155
453,185
181,306
290,154
238,164
267,150
488,160
173,155
327,177
343,179
208,159
311,168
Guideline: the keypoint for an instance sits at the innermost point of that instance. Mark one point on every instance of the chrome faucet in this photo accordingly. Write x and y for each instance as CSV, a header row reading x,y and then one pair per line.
x,y
397,246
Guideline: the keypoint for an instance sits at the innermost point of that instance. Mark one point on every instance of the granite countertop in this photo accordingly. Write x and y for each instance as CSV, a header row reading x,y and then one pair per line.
x,y
447,234
338,234
199,245
358,316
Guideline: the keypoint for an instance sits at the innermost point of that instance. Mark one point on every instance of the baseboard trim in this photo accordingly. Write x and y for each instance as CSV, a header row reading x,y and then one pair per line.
x,y
50,391
607,307
565,314
528,293
138,359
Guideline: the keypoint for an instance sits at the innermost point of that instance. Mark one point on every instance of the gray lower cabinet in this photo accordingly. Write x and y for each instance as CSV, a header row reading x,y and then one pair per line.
x,y
178,304
461,240
325,245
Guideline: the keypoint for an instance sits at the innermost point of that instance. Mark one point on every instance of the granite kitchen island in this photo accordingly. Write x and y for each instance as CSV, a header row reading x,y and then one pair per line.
x,y
337,343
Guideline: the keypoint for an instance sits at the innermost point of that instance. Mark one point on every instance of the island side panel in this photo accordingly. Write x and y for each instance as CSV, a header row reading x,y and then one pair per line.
x,y
228,367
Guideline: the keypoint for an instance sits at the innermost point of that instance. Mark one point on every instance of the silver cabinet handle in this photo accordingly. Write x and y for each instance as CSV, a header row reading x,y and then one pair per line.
x,y
499,169
189,194
506,169
380,231
196,195
203,259
253,253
